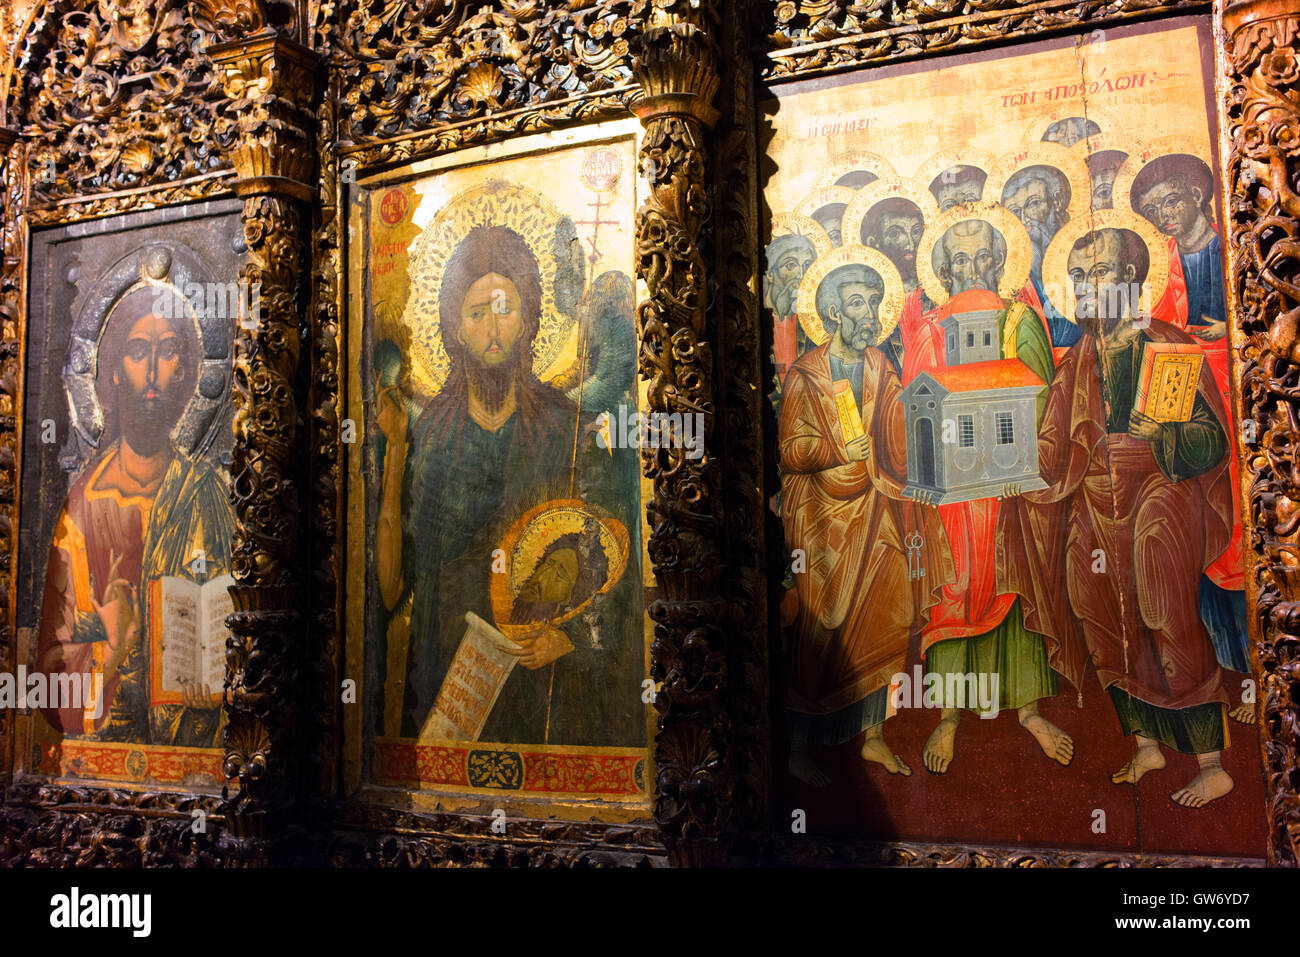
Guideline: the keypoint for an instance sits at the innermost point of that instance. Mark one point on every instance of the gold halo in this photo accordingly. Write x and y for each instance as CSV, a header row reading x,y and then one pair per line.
x,y
785,224
1038,126
823,197
1148,153
887,188
1062,158
1056,276
528,538
1015,271
495,203
928,171
857,160
891,301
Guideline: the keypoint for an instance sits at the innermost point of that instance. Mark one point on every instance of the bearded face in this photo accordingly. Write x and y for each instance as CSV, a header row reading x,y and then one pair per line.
x,y
152,384
900,237
792,259
1039,206
490,331
1102,280
858,312
972,258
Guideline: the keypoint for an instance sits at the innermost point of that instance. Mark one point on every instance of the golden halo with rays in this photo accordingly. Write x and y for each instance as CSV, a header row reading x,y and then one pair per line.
x,y
527,540
1015,271
928,171
824,197
888,187
1148,153
891,301
784,224
1070,164
1057,286
494,203
1038,126
857,160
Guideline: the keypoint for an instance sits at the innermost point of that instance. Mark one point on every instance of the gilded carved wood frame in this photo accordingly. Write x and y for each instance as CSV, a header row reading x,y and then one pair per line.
x,y
273,101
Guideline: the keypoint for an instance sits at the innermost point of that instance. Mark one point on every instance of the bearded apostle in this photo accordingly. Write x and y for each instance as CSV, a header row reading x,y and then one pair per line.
x,y
788,258
978,627
1151,502
846,519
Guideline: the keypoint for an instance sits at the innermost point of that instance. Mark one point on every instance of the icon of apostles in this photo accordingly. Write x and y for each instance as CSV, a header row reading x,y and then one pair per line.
x,y
1155,497
845,515
140,511
494,442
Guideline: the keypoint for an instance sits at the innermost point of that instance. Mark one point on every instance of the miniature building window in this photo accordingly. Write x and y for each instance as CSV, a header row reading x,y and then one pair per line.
x,y
952,341
987,339
966,431
1006,431
970,339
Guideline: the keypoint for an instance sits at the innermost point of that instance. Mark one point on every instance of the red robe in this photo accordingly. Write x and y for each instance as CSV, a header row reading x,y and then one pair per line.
x,y
973,604
858,602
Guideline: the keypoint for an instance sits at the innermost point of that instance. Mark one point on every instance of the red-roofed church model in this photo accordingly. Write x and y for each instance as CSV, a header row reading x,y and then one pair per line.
x,y
972,427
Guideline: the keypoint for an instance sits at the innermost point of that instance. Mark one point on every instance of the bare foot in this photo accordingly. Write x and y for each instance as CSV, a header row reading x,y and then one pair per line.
x,y
802,767
937,754
1056,744
1148,758
1213,782
1245,713
875,749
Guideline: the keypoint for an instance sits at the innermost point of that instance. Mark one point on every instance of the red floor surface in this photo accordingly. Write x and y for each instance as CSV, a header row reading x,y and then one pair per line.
x,y
1002,789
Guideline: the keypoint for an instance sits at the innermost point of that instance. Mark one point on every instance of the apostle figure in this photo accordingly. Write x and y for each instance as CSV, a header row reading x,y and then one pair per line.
x,y
894,226
788,258
1173,193
958,185
1070,130
142,510
1102,167
846,520
1152,501
1039,196
978,628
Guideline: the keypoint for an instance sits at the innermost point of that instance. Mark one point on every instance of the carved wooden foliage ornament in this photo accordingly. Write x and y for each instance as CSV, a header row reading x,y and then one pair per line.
x,y
1262,126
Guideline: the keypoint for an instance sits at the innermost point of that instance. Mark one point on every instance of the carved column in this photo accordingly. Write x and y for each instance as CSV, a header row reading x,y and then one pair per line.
x,y
676,65
1260,102
11,377
271,82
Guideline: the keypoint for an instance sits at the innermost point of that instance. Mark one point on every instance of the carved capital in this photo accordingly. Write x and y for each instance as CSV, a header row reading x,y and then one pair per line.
x,y
676,66
271,82
1261,122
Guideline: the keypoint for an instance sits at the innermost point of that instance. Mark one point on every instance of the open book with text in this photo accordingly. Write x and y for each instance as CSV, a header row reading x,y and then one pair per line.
x,y
187,643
